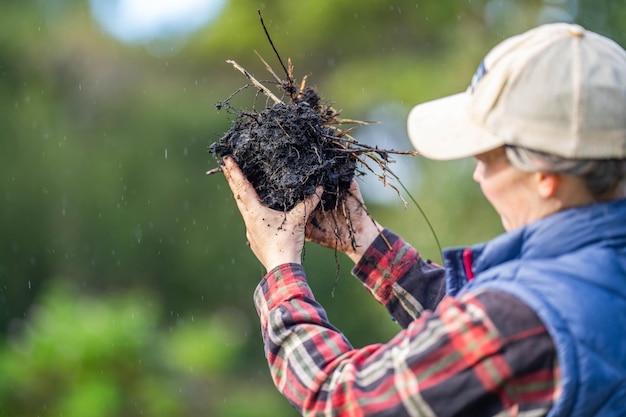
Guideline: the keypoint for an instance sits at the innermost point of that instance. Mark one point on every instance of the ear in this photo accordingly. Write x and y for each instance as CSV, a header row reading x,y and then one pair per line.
x,y
547,184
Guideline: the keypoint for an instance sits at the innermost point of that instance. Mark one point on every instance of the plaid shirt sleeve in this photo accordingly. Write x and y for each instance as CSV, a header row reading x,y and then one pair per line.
x,y
399,278
483,354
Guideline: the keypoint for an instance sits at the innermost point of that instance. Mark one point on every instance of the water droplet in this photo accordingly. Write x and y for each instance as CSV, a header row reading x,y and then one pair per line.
x,y
138,233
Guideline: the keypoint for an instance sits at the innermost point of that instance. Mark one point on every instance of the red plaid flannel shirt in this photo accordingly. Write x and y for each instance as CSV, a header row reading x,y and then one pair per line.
x,y
483,354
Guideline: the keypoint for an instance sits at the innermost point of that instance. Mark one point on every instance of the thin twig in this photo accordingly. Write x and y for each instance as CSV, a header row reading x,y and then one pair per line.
x,y
268,68
357,122
273,47
303,83
214,171
249,76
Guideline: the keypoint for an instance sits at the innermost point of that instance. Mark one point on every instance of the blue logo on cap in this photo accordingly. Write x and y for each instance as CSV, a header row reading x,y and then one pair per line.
x,y
478,75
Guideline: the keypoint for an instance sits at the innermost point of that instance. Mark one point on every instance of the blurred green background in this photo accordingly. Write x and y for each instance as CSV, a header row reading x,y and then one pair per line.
x,y
125,284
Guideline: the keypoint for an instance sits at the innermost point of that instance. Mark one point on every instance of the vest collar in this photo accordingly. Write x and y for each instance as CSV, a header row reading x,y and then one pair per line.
x,y
560,233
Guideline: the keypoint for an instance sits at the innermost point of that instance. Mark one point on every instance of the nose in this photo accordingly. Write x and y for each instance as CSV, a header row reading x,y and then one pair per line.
x,y
477,171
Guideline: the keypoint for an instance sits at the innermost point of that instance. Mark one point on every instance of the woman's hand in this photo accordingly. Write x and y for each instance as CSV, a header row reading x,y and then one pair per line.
x,y
348,229
274,236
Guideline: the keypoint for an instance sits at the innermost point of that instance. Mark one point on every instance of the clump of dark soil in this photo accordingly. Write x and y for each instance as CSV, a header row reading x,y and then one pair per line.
x,y
287,150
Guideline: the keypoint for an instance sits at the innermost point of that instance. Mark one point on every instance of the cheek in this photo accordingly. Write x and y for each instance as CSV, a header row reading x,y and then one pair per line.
x,y
498,190
491,191
488,181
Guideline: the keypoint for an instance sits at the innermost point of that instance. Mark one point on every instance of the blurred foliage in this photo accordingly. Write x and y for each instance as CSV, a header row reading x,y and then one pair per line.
x,y
80,355
125,286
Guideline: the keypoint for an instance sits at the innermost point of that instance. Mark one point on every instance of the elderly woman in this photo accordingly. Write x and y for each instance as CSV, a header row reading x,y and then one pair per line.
x,y
531,323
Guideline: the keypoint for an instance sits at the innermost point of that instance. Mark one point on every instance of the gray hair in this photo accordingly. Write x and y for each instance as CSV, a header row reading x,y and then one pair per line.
x,y
600,176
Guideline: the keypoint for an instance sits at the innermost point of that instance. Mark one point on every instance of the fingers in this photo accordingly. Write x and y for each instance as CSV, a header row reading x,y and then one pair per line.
x,y
234,176
305,208
245,195
355,192
313,200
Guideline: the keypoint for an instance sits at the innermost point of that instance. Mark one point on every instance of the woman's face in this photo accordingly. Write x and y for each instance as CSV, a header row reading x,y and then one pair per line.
x,y
513,193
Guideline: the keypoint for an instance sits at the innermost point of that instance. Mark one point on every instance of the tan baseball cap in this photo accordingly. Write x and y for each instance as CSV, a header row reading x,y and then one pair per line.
x,y
558,89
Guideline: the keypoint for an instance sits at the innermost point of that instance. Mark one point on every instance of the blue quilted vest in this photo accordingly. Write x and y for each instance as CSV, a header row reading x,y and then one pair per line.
x,y
570,268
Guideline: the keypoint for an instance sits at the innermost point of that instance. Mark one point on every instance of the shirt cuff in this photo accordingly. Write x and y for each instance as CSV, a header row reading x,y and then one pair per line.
x,y
387,260
280,284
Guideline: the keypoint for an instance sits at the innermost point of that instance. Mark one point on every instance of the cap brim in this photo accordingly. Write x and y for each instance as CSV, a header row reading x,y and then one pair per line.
x,y
441,129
